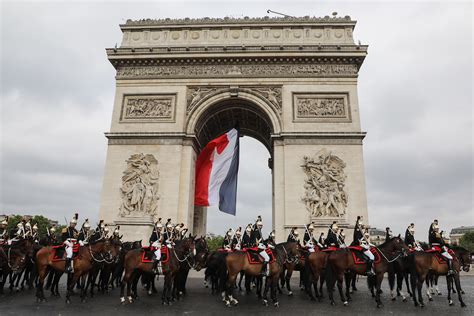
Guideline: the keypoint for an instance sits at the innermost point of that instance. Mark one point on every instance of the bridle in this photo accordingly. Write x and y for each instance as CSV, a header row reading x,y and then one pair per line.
x,y
104,259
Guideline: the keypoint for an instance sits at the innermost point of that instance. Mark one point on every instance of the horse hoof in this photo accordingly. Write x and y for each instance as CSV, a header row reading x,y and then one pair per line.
x,y
422,305
462,292
122,300
333,303
439,293
228,304
379,305
451,303
404,300
265,302
346,303
68,301
394,298
430,299
290,293
463,304
276,304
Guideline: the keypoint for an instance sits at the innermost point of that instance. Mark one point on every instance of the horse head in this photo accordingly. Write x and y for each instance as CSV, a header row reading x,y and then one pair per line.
x,y
396,245
464,257
202,252
16,260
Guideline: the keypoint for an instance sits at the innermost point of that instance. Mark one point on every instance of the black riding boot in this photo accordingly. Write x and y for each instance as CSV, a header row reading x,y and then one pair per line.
x,y
370,268
68,265
156,268
450,267
265,269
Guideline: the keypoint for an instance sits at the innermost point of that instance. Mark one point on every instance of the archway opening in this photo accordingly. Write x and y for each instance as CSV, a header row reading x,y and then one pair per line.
x,y
255,183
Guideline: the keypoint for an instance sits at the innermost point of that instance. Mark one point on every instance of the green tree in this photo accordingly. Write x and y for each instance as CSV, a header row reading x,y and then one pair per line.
x,y
467,241
215,242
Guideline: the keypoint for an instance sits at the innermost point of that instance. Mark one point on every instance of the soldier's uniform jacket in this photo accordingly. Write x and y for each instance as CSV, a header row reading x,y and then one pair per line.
x,y
167,236
227,241
235,242
154,236
358,234
388,235
247,240
69,232
331,240
307,237
409,239
84,235
256,237
435,238
292,238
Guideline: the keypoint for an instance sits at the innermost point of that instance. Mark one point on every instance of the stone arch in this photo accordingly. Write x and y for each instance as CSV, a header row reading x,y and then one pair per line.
x,y
257,116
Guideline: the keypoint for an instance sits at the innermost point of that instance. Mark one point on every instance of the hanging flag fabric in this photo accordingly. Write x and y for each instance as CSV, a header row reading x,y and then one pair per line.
x,y
216,173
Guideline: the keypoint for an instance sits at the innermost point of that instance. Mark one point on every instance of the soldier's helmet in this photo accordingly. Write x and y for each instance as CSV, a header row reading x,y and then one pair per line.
x,y
28,225
436,227
366,234
19,225
184,230
229,232
4,222
169,225
101,224
272,234
259,222
411,228
117,231
35,227
311,227
86,225
159,225
295,232
106,229
238,231
341,232
52,229
334,226
249,228
73,221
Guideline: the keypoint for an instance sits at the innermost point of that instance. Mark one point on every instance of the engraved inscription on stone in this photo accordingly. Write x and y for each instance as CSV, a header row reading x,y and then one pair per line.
x,y
241,70
148,107
321,107
139,189
324,185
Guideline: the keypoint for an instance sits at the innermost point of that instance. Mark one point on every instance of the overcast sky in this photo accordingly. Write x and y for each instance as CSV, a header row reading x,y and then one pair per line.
x,y
415,96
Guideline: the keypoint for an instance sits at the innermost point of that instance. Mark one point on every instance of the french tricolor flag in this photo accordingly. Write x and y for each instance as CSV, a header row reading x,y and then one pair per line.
x,y
216,173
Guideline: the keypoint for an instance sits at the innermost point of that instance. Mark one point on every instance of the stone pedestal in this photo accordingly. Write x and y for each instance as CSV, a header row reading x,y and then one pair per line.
x,y
136,228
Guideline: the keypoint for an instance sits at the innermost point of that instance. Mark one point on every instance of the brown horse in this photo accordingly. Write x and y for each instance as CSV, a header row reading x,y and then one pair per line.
x,y
315,265
12,260
181,253
424,263
95,252
289,267
238,261
342,260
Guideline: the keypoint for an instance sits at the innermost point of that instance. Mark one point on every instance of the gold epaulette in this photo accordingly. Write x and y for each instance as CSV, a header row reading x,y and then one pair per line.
x,y
64,230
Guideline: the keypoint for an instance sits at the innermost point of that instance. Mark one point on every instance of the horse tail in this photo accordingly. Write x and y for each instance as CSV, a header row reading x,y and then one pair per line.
x,y
329,275
222,273
307,276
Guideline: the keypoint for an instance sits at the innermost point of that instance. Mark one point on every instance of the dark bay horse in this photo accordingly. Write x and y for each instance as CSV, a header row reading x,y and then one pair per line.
x,y
181,253
12,261
88,255
238,261
342,260
423,264
315,270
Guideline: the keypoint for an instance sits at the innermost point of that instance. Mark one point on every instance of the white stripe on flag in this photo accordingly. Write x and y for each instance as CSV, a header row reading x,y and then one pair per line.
x,y
220,167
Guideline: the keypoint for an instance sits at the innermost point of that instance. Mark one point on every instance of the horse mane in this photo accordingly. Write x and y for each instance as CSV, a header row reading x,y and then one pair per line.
x,y
385,243
459,248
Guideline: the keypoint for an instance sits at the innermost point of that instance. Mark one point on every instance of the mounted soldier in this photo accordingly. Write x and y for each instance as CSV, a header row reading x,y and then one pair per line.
x,y
247,238
100,227
4,230
168,235
410,240
236,241
362,239
358,231
51,235
257,241
183,232
227,242
271,240
342,238
156,241
322,241
308,239
69,237
85,233
437,243
332,239
28,229
20,231
293,235
116,234
388,234
34,233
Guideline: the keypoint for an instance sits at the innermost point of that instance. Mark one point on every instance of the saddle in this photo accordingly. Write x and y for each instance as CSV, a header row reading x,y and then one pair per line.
x,y
149,252
330,249
360,258
254,258
59,252
436,251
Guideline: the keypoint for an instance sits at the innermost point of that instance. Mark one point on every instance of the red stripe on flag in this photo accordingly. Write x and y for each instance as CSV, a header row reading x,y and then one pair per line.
x,y
204,167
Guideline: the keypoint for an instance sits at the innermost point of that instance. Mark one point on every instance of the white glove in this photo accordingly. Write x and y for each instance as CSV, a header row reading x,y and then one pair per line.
x,y
81,243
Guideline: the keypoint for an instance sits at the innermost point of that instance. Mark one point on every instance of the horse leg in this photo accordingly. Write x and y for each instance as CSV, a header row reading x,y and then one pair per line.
x,y
450,288
378,284
400,277
122,286
55,285
421,280
82,280
457,282
438,292
289,273
229,298
348,278
42,271
340,279
391,282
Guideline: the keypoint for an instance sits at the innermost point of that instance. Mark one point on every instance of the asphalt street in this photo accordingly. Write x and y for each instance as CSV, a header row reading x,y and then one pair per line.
x,y
199,301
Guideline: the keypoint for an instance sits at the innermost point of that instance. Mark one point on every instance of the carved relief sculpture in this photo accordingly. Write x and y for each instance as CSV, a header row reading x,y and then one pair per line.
x,y
154,107
324,185
140,186
321,107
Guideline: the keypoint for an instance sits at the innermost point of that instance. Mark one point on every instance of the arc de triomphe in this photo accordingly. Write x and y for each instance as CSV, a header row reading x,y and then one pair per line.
x,y
290,82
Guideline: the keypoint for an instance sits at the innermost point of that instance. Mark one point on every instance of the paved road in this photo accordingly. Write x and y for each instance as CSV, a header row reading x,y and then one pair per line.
x,y
201,302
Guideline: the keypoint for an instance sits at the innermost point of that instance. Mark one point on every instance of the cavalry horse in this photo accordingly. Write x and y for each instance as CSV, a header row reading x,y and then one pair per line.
x,y
342,260
12,261
287,272
315,267
181,253
423,263
239,261
88,255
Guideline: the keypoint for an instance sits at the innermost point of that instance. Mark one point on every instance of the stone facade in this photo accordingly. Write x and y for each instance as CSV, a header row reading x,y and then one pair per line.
x,y
290,82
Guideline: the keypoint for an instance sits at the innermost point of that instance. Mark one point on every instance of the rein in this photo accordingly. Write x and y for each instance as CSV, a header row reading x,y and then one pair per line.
x,y
99,260
383,255
184,259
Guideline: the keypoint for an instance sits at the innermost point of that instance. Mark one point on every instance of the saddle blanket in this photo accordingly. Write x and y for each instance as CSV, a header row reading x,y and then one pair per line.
x,y
360,258
255,258
149,252
330,249
59,252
